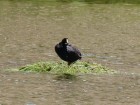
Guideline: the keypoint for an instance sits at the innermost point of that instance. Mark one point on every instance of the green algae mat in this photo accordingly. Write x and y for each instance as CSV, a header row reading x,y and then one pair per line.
x,y
62,68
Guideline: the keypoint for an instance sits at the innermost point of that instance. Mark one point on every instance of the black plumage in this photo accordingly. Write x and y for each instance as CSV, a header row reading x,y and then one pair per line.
x,y
67,52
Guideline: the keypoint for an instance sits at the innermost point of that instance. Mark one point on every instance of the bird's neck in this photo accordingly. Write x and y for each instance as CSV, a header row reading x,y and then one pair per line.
x,y
64,44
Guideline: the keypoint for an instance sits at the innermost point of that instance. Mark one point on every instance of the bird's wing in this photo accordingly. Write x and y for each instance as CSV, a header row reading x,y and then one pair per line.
x,y
73,51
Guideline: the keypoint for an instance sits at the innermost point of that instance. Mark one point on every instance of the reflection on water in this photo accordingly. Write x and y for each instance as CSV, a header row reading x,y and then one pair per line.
x,y
30,103
108,34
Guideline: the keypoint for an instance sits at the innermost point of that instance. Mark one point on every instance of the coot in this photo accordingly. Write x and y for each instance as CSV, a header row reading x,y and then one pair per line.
x,y
67,52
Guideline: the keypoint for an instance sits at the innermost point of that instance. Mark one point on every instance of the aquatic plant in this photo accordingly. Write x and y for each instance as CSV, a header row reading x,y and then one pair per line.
x,y
62,68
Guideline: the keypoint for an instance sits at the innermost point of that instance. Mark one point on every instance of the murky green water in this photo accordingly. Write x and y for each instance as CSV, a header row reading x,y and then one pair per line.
x,y
105,33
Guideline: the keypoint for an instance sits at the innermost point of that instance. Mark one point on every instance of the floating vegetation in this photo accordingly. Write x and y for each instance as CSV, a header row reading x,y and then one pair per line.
x,y
63,71
62,68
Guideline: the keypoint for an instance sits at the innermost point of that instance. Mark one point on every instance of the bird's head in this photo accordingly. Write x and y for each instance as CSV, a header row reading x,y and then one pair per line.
x,y
64,41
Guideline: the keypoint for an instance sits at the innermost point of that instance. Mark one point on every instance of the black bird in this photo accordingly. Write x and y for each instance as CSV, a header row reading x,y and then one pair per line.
x,y
67,52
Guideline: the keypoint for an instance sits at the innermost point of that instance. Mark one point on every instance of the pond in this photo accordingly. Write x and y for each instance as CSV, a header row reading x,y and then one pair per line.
x,y
105,33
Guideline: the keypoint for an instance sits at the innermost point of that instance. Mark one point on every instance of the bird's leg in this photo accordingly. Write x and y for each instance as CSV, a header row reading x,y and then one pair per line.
x,y
69,63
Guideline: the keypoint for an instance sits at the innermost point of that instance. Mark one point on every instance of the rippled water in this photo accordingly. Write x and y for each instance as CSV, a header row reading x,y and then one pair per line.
x,y
105,33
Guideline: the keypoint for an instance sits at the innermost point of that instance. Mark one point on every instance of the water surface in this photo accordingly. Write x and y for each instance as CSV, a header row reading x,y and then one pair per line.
x,y
105,33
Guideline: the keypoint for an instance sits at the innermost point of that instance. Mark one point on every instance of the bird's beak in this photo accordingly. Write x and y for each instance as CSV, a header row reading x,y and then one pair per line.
x,y
66,40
